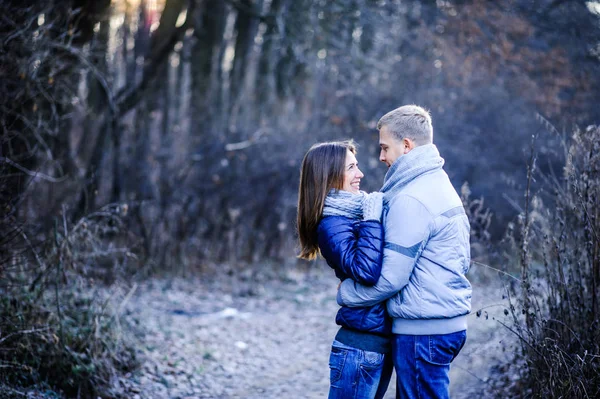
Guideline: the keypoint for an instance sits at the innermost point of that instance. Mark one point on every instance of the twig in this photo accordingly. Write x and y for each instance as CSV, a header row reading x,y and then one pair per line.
x,y
34,330
56,288
497,270
471,373
64,211
38,260
97,74
11,390
513,203
99,253
246,143
585,211
20,32
123,303
526,232
546,123
485,307
32,173
521,338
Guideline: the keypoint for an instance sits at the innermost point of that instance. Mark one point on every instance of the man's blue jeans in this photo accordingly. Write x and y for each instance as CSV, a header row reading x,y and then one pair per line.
x,y
358,374
423,362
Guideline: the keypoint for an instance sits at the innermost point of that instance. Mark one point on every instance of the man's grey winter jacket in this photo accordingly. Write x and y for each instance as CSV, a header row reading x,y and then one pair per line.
x,y
426,258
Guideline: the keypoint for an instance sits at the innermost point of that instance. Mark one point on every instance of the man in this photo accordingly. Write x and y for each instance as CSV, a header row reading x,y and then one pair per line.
x,y
426,257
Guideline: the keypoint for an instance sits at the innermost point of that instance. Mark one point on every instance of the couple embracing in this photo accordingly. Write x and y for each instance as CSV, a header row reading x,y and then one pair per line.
x,y
401,255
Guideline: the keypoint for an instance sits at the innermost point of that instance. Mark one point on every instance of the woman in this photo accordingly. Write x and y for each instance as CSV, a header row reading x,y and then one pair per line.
x,y
343,223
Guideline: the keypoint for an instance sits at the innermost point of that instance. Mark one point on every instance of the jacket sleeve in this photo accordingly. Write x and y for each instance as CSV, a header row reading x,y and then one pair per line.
x,y
356,248
407,230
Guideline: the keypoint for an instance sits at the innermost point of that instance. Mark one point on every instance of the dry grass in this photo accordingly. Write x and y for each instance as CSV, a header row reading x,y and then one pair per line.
x,y
555,313
59,328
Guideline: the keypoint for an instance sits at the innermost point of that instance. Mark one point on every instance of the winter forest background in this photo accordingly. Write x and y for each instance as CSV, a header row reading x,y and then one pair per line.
x,y
143,138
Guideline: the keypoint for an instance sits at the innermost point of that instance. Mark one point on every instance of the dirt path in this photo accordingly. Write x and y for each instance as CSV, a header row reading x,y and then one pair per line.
x,y
236,339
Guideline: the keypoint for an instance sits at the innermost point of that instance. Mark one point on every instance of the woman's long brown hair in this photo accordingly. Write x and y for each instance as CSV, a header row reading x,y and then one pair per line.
x,y
322,169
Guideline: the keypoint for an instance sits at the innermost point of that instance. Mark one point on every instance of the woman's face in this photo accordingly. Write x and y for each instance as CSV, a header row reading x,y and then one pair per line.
x,y
352,174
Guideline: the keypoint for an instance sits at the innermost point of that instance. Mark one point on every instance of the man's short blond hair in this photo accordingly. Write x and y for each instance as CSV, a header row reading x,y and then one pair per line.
x,y
409,121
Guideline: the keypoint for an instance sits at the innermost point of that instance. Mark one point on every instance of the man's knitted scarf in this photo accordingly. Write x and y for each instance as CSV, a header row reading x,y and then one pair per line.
x,y
344,203
418,161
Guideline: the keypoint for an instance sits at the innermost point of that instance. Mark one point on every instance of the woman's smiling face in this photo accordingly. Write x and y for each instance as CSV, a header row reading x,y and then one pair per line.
x,y
352,174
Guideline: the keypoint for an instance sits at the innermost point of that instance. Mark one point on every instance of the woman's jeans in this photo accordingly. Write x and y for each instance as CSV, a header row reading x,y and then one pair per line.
x,y
423,363
358,374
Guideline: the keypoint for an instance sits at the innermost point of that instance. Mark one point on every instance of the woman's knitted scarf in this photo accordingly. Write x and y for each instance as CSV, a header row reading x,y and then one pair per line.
x,y
418,161
344,203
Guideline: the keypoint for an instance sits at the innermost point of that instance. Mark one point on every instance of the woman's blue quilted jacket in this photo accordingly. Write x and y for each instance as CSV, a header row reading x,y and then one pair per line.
x,y
354,249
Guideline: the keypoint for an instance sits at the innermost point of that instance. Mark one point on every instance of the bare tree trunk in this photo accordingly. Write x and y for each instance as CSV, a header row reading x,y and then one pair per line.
x,y
210,25
179,83
141,184
367,37
206,83
142,40
265,80
117,183
246,27
95,138
166,132
125,71
286,68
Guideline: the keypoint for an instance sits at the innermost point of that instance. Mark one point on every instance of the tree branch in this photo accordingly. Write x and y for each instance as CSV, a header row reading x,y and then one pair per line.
x,y
32,331
32,173
97,74
128,97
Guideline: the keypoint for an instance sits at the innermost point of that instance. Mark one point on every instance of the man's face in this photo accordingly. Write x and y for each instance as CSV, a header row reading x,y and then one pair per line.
x,y
391,148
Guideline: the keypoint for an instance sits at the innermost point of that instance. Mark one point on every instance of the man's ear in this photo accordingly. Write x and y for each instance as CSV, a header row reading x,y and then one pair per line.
x,y
407,145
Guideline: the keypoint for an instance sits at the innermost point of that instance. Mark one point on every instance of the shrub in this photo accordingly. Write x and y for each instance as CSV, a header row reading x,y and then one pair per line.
x,y
480,219
556,316
58,327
